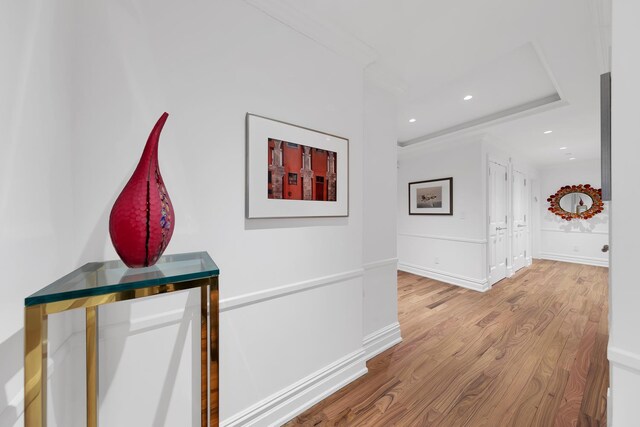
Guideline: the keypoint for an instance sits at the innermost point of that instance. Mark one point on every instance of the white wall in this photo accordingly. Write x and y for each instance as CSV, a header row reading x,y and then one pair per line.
x,y
578,241
624,344
208,64
448,248
381,328
452,249
121,65
36,206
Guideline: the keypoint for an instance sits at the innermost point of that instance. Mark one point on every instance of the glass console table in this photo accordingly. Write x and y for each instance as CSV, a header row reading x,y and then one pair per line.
x,y
99,283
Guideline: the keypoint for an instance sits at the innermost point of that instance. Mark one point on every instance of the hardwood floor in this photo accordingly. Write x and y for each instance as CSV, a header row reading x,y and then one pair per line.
x,y
530,352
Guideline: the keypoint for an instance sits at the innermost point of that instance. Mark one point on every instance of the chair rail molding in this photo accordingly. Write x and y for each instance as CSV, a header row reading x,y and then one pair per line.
x,y
624,359
557,230
280,291
449,238
380,263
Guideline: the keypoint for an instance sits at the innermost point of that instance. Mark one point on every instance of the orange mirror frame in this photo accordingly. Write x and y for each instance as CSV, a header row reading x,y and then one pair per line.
x,y
596,196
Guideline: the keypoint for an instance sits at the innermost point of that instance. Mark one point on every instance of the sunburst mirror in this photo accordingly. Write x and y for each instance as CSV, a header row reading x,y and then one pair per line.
x,y
576,202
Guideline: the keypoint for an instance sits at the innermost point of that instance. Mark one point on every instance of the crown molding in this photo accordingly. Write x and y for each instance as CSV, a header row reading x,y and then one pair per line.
x,y
380,76
524,110
322,32
335,39
601,15
545,103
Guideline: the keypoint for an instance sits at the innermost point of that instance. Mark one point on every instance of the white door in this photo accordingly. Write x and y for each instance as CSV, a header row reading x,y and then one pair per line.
x,y
520,218
497,222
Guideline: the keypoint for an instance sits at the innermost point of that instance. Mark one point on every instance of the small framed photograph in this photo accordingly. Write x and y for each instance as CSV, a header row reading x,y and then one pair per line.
x,y
294,171
432,197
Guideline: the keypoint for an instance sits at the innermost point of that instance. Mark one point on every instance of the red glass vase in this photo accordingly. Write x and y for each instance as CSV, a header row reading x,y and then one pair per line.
x,y
141,221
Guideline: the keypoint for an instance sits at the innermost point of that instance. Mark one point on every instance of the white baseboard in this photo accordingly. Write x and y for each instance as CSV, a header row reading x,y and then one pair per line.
x,y
622,402
598,262
282,406
510,271
480,285
381,340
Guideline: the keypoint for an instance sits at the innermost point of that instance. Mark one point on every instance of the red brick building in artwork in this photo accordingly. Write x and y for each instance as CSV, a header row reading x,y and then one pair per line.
x,y
299,172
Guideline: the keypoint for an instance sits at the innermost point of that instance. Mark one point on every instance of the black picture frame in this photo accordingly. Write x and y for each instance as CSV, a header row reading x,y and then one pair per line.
x,y
444,209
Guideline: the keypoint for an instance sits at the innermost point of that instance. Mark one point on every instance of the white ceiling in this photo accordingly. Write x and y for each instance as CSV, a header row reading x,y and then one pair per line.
x,y
506,53
515,79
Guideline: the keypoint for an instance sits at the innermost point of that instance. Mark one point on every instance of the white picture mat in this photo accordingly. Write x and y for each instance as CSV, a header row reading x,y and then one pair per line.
x,y
446,197
259,131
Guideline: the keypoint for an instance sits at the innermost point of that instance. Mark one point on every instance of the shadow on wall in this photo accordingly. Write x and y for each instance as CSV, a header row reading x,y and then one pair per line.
x,y
62,365
584,226
168,385
11,350
277,223
123,331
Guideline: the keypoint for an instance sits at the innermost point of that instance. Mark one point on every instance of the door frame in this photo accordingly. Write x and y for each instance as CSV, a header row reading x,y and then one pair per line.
x,y
506,162
527,217
529,207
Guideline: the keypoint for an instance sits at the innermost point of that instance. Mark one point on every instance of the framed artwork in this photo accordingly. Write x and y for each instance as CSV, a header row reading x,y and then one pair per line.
x,y
293,171
432,197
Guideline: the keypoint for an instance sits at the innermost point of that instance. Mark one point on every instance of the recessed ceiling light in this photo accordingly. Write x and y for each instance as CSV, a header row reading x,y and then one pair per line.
x,y
547,131
563,148
412,120
468,97
572,158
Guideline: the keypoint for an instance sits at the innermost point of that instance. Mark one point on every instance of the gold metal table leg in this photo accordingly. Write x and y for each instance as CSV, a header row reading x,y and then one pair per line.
x,y
213,352
92,365
35,367
204,339
35,356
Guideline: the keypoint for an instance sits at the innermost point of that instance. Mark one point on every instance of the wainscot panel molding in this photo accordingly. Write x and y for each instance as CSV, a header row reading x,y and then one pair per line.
x,y
554,230
286,404
449,238
624,359
510,271
575,259
280,291
381,340
480,285
380,263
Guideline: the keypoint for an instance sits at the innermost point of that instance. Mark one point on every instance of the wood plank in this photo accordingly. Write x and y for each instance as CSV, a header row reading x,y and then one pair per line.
x,y
530,352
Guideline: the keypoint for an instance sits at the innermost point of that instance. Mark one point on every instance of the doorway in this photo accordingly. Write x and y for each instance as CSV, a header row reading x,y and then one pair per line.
x,y
520,240
497,206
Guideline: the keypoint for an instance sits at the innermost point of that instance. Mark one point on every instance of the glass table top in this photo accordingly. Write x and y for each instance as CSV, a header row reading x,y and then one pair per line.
x,y
98,278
